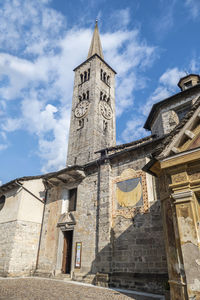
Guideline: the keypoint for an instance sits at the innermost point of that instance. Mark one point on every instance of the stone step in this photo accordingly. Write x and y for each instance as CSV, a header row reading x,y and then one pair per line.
x,y
64,277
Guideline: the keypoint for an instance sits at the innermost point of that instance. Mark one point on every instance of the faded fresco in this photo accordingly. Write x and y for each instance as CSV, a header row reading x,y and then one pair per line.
x,y
129,193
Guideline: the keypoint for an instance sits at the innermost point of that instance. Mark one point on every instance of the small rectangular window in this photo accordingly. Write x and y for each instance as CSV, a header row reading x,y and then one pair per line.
x,y
72,199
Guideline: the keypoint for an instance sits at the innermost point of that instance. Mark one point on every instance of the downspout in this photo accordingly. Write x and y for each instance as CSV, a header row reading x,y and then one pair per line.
x,y
42,223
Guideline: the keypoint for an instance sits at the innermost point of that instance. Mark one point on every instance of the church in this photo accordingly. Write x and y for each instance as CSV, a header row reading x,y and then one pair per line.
x,y
125,216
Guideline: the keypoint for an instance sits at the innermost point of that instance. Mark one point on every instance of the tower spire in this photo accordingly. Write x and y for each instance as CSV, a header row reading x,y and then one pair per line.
x,y
95,47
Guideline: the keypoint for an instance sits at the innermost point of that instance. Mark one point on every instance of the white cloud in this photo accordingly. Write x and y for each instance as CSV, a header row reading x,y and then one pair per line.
x,y
1,183
171,77
134,129
3,147
165,22
38,68
120,18
194,7
194,65
167,84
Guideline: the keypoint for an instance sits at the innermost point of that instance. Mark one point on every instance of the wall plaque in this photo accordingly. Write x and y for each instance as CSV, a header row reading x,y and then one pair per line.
x,y
78,255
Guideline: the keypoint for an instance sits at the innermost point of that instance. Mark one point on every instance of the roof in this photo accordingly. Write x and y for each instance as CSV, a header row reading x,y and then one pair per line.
x,y
127,145
158,105
90,58
177,129
95,47
53,176
188,75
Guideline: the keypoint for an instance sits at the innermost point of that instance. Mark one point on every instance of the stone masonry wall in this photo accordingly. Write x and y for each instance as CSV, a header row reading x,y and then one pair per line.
x,y
49,240
7,234
167,118
19,246
137,239
97,131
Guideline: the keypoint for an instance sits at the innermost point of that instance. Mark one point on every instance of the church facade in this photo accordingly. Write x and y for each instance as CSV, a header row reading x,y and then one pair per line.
x,y
118,215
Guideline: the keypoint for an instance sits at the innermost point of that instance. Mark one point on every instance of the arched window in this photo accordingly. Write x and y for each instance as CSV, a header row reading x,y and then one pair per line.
x,y
2,201
108,100
80,124
104,77
101,95
108,79
104,97
105,126
87,94
80,98
85,76
81,78
84,96
88,74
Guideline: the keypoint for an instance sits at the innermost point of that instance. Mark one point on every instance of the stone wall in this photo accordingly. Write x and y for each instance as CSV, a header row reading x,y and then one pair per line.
x,y
49,240
7,233
137,241
18,247
167,116
131,251
90,136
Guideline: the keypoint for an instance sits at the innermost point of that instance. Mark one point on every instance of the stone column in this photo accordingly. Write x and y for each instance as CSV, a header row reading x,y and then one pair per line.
x,y
187,226
176,273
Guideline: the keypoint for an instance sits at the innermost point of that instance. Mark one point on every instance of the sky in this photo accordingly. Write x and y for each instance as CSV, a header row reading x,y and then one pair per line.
x,y
150,43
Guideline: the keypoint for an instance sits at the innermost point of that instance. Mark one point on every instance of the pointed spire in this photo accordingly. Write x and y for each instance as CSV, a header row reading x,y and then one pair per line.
x,y
95,47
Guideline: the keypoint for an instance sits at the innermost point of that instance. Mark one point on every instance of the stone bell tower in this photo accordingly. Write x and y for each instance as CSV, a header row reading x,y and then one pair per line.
x,y
92,124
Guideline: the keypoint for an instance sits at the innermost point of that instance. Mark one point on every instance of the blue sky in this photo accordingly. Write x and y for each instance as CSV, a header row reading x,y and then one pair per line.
x,y
150,43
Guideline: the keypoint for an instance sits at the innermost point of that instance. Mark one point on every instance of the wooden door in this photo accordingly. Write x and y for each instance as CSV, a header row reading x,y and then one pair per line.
x,y
67,252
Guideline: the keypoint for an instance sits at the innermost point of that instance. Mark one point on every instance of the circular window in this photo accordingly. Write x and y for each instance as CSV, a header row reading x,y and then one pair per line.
x,y
2,201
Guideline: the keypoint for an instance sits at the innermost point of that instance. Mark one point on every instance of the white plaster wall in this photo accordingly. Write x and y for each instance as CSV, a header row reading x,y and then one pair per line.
x,y
31,209
150,188
10,209
65,201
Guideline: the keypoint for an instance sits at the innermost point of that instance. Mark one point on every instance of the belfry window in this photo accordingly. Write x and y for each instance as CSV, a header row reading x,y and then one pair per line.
x,y
105,126
85,76
80,124
101,74
108,79
81,76
88,74
101,95
104,77
87,94
84,97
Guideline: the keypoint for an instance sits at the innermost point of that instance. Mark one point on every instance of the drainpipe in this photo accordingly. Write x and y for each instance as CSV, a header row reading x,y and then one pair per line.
x,y
42,223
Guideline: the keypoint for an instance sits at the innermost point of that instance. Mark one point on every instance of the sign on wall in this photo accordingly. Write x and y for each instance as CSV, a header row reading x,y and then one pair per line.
x,y
78,255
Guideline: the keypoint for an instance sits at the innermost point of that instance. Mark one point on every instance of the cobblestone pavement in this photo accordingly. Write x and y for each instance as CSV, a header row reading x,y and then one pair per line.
x,y
48,289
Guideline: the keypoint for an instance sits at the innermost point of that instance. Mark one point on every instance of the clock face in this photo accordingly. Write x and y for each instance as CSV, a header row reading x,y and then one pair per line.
x,y
81,109
105,110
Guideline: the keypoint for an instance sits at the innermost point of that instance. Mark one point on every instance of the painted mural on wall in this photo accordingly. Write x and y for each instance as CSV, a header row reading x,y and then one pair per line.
x,y
130,193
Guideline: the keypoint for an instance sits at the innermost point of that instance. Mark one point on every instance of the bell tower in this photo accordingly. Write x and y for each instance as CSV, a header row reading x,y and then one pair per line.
x,y
92,125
